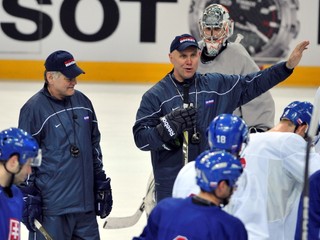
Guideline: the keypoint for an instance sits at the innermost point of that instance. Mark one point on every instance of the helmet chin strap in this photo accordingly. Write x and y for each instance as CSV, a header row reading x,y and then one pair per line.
x,y
11,179
13,173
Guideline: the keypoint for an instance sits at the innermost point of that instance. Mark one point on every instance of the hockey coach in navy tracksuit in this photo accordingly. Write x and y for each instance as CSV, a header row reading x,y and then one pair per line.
x,y
161,118
70,188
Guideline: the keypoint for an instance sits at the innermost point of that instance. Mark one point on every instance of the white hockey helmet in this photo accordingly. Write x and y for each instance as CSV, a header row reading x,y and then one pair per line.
x,y
215,27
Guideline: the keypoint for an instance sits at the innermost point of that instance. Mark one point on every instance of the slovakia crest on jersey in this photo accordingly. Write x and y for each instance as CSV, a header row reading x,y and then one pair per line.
x,y
14,230
180,238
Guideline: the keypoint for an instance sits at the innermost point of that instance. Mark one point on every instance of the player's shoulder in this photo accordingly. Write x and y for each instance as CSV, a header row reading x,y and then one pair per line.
x,y
238,48
188,166
170,203
315,177
291,140
233,221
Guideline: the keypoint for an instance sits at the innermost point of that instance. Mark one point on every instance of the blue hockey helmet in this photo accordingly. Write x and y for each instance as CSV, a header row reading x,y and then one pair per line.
x,y
298,112
16,141
227,132
213,167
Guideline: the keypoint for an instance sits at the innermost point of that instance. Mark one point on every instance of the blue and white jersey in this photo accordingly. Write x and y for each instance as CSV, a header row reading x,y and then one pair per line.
x,y
11,209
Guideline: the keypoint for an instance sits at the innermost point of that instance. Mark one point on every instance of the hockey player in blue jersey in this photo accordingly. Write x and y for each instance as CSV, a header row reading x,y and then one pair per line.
x,y
18,152
200,216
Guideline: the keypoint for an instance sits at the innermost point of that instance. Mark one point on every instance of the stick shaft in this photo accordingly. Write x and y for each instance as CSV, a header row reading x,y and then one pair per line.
x,y
42,230
185,145
313,128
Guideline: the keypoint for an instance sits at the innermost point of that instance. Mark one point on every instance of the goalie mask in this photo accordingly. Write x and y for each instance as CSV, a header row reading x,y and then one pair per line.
x,y
216,27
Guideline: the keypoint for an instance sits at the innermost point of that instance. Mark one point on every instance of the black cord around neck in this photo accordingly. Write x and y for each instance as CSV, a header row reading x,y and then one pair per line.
x,y
75,151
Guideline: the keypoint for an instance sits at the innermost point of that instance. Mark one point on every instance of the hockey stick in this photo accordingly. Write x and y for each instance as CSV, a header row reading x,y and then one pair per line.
x,y
314,125
42,230
185,145
124,222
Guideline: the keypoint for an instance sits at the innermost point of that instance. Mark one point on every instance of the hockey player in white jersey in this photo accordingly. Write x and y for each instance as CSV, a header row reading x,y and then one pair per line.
x,y
278,159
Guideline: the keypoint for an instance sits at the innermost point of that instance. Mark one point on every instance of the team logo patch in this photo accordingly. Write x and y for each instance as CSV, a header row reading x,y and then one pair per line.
x,y
211,101
14,229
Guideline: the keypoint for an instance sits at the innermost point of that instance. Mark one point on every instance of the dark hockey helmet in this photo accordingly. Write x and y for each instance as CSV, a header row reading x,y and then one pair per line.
x,y
213,167
17,141
298,112
227,132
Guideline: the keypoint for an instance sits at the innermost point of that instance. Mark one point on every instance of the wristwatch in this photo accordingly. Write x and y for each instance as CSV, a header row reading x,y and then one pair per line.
x,y
268,26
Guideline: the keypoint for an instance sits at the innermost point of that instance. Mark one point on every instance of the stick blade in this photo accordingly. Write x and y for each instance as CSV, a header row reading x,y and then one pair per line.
x,y
123,222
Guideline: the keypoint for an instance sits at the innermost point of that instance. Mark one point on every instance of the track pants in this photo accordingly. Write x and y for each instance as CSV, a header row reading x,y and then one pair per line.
x,y
72,226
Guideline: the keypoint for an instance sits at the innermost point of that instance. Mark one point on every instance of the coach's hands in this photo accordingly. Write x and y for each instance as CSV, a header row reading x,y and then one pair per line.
x,y
32,207
296,54
103,198
175,122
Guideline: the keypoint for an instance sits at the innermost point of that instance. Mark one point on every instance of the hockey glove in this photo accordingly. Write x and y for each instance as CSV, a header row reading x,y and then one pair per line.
x,y
103,198
174,123
32,207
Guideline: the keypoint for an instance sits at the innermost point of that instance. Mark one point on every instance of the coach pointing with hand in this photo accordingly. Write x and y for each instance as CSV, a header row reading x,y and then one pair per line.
x,y
210,94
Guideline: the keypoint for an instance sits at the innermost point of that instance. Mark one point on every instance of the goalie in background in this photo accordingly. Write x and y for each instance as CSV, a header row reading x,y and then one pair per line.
x,y
200,216
222,56
18,152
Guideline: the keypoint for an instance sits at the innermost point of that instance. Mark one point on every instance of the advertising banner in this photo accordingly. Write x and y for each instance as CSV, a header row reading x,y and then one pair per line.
x,y
128,40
